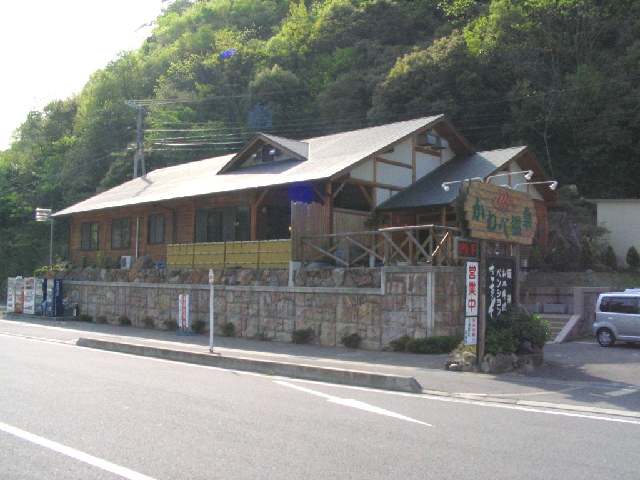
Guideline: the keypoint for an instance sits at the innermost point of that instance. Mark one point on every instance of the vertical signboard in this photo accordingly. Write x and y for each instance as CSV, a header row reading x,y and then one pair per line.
x,y
471,304
500,285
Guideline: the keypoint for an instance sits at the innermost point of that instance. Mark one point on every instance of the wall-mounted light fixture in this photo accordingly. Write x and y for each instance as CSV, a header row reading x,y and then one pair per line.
x,y
528,175
553,184
446,186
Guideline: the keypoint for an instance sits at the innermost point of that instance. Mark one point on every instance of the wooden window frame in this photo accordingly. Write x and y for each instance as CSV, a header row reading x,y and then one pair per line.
x,y
127,239
150,239
90,247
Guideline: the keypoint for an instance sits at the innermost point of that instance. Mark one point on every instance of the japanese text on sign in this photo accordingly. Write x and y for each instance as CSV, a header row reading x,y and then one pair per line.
x,y
500,281
498,213
471,304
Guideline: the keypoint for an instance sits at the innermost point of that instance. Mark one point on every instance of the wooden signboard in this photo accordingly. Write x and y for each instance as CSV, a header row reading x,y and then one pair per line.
x,y
499,214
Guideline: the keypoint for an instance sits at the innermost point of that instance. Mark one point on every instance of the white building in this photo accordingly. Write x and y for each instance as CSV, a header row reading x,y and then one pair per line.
x,y
622,218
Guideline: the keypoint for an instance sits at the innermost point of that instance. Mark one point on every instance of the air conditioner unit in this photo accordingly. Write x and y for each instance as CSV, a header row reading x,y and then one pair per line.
x,y
126,262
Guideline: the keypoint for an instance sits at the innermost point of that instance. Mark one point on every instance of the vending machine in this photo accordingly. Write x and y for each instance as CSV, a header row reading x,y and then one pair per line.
x,y
18,299
33,295
54,297
11,295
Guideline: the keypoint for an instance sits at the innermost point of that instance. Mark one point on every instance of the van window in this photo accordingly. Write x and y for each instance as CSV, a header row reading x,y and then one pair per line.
x,y
619,305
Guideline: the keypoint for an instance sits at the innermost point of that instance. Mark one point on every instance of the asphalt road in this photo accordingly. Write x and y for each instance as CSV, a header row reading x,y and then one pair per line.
x,y
69,412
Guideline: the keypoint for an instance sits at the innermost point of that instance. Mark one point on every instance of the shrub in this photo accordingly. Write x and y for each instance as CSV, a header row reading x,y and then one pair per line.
x,y
85,317
197,326
303,335
432,345
262,336
400,343
516,329
124,321
101,319
633,259
228,330
610,259
170,325
352,341
148,322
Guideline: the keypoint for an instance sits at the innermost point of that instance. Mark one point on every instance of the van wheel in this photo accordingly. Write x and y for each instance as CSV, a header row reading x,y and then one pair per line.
x,y
605,337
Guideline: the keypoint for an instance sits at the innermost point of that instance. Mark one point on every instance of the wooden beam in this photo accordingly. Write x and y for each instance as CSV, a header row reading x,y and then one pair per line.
x,y
393,162
328,187
318,193
339,189
366,194
429,151
375,184
443,217
413,159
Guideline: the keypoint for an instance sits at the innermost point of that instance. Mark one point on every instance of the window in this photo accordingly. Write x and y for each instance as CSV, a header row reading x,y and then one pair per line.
x,y
156,229
120,234
223,224
89,236
619,305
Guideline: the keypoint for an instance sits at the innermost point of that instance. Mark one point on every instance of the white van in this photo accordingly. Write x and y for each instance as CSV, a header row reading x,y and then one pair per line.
x,y
617,317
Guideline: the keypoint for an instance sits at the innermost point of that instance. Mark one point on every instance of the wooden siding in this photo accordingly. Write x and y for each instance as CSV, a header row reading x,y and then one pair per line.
x,y
179,227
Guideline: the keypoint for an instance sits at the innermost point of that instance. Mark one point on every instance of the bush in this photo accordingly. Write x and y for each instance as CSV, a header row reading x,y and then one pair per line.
x,y
304,335
610,259
633,259
430,345
101,319
124,321
85,318
400,344
228,330
148,322
352,341
516,330
197,326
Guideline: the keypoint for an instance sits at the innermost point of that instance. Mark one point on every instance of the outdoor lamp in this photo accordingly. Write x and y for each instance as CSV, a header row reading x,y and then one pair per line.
x,y
553,184
446,186
528,175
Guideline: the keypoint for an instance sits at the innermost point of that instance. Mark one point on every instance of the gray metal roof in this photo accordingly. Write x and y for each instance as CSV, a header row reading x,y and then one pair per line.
x,y
327,156
428,190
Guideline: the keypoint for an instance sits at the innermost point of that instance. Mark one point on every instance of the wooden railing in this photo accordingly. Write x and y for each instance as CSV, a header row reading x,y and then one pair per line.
x,y
411,245
257,254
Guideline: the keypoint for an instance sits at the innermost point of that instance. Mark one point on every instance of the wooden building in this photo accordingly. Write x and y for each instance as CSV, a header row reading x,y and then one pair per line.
x,y
262,200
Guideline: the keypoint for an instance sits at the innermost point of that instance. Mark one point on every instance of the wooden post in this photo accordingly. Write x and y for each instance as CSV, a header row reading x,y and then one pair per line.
x,y
482,314
254,221
443,217
516,284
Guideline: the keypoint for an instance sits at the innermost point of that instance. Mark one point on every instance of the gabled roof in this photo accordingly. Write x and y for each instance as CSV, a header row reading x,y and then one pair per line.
x,y
299,149
327,156
428,190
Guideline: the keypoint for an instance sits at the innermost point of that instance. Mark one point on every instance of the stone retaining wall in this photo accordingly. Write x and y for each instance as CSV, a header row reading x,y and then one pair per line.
x,y
415,301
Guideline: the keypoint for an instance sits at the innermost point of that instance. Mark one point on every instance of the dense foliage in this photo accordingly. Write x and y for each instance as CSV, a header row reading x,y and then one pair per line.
x,y
559,75
516,331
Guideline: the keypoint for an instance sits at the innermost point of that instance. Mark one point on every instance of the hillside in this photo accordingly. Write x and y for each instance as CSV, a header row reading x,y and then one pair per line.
x,y
559,75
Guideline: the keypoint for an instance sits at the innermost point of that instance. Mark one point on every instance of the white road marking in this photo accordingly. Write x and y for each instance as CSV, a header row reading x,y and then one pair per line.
x,y
75,454
558,409
349,402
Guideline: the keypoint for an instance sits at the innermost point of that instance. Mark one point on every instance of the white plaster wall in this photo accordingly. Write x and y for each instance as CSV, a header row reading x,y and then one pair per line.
x,y
401,153
393,175
363,171
622,219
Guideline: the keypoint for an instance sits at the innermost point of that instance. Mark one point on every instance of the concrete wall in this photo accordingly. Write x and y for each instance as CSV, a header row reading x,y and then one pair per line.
x,y
622,219
415,301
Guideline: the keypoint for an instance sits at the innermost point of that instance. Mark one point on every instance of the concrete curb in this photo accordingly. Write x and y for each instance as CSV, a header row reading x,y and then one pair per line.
x,y
355,378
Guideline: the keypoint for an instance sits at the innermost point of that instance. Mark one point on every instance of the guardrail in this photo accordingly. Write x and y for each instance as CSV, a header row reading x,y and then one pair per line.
x,y
251,254
409,245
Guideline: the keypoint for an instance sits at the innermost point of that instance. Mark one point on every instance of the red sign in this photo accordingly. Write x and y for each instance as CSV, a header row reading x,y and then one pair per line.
x,y
466,249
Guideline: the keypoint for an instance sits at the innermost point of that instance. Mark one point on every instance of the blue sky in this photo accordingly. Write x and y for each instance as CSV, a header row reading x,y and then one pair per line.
x,y
48,49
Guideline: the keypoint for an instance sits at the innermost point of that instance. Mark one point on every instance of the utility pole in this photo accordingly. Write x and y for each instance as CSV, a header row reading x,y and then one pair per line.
x,y
138,158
